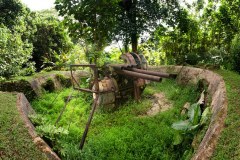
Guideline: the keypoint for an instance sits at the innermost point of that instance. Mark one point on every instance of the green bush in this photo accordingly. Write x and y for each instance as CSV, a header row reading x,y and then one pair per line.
x,y
51,42
192,58
15,53
37,119
50,131
235,53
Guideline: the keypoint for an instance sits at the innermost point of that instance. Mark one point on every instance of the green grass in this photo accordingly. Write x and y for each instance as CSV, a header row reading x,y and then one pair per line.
x,y
15,141
228,146
123,133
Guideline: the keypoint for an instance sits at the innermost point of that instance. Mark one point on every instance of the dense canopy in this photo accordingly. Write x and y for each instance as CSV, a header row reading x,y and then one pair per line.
x,y
166,32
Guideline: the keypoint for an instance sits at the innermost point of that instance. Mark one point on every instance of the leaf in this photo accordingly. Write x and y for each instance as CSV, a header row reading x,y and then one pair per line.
x,y
181,125
193,128
177,139
194,113
204,117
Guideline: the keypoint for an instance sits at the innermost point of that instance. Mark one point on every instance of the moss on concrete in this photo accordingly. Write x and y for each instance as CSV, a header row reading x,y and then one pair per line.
x,y
18,86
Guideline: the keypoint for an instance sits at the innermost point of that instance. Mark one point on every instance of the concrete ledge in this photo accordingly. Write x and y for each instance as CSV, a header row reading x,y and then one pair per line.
x,y
37,82
33,87
25,109
217,92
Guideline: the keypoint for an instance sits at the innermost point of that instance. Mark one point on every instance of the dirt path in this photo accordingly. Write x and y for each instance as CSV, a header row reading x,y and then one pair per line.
x,y
160,104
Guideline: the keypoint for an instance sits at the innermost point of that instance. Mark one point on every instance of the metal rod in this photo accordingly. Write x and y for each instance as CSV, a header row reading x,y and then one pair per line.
x,y
139,75
88,123
63,109
85,90
91,91
93,109
163,75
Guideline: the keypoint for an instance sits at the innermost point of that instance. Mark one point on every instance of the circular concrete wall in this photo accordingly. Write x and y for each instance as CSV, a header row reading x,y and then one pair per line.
x,y
186,75
217,92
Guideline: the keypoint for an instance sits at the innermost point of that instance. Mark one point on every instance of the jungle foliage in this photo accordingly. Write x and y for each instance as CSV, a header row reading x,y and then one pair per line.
x,y
167,32
204,33
29,40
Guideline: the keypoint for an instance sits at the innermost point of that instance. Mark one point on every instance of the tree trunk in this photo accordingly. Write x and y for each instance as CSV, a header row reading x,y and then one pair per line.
x,y
134,37
134,41
126,47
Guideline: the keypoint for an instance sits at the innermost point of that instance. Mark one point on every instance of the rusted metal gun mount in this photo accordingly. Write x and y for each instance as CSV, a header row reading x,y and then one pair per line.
x,y
121,80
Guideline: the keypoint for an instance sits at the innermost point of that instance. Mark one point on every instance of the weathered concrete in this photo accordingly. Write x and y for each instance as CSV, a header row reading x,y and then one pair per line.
x,y
37,83
33,87
25,110
217,92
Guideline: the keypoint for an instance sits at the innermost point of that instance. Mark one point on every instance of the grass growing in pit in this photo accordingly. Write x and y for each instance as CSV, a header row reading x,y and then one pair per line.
x,y
15,141
120,134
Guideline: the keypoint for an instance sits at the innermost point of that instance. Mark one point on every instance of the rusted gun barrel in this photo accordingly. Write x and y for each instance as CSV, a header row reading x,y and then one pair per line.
x,y
163,75
122,66
139,75
131,68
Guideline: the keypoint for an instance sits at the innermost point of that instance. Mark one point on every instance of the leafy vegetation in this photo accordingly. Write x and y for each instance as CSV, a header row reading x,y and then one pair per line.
x,y
189,128
15,53
50,40
235,52
202,33
195,33
15,141
125,131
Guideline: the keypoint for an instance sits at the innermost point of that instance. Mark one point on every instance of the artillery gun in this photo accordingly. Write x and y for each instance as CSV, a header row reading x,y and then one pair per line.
x,y
119,82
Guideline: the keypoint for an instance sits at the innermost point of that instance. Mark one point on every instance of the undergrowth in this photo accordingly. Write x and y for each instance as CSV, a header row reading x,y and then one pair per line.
x,y
120,134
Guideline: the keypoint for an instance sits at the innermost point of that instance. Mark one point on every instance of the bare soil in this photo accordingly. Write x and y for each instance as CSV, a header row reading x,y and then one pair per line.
x,y
160,104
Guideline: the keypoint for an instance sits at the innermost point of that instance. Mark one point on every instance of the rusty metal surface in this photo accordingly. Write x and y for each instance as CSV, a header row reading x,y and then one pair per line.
x,y
136,91
128,58
163,75
140,82
107,89
137,59
121,66
139,75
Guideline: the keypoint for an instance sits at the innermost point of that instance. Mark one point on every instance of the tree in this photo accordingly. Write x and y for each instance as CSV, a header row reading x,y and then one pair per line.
x,y
101,21
14,53
143,16
93,20
10,11
50,40
235,53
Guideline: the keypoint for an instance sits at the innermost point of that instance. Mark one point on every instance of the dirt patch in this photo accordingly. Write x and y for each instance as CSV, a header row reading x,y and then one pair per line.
x,y
159,104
